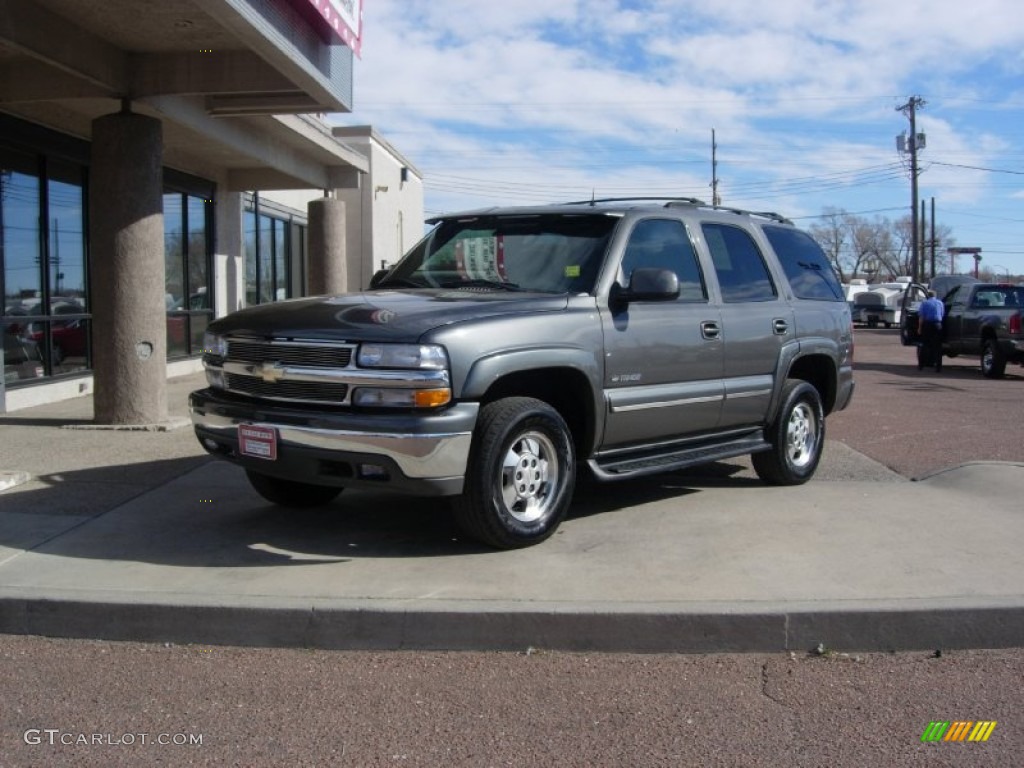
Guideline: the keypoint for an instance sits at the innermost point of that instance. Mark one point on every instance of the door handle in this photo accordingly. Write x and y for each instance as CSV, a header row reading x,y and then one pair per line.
x,y
710,330
780,327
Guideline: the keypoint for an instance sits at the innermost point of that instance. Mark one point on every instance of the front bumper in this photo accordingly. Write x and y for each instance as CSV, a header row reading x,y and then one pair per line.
x,y
420,454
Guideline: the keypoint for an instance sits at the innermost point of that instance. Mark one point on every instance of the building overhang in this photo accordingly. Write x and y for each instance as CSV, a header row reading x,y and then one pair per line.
x,y
236,82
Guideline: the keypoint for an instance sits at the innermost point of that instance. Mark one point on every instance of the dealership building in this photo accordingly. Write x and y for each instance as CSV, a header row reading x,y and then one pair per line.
x,y
165,163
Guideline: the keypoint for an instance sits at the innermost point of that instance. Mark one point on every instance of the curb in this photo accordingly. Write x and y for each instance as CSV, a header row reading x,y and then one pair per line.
x,y
510,630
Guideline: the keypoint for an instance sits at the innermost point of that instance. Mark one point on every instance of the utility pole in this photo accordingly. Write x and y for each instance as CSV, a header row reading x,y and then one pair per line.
x,y
715,199
933,237
910,109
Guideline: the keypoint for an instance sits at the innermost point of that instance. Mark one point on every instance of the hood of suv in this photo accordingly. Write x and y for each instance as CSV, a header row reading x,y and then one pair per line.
x,y
386,315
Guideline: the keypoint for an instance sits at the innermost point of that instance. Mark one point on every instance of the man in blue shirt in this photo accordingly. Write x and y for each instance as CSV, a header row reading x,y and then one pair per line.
x,y
929,330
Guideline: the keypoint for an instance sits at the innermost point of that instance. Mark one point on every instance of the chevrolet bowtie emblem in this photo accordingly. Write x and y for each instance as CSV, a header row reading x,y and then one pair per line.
x,y
270,372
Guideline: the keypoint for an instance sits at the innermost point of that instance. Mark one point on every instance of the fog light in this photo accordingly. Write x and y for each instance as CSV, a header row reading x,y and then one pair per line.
x,y
372,472
211,445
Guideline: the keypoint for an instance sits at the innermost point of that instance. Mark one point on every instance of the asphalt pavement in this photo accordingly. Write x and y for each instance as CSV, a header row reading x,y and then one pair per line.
x,y
138,535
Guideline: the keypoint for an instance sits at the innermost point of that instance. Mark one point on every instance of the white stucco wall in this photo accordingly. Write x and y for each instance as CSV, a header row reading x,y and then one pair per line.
x,y
385,215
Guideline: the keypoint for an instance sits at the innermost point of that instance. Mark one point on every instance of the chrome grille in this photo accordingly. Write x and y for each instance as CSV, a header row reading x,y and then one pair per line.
x,y
313,355
306,391
253,353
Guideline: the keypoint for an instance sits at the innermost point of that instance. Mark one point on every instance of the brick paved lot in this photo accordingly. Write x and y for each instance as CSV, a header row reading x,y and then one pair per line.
x,y
918,422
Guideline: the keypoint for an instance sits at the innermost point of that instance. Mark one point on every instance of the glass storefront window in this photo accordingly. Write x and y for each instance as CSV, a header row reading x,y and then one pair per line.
x,y
280,262
198,256
251,258
45,293
19,231
266,251
187,260
274,257
174,252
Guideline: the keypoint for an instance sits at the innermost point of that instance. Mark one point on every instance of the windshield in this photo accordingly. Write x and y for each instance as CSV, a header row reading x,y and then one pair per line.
x,y
555,253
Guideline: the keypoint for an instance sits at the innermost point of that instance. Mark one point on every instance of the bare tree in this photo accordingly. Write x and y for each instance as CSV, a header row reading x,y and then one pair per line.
x,y
878,249
831,236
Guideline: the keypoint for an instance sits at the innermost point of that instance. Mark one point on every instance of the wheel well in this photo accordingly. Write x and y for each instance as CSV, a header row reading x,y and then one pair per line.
x,y
564,389
820,372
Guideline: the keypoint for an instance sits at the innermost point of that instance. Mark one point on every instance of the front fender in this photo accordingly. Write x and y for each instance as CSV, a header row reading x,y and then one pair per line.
x,y
487,370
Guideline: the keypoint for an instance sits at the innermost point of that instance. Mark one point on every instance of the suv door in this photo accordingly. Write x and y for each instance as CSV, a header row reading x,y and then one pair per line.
x,y
755,323
663,359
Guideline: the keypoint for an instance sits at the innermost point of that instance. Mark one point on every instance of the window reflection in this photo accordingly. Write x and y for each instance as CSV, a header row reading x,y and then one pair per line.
x,y
45,293
274,253
187,260
198,257
251,258
19,232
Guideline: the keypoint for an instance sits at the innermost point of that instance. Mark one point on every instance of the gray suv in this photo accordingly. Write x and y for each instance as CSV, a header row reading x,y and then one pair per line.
x,y
513,348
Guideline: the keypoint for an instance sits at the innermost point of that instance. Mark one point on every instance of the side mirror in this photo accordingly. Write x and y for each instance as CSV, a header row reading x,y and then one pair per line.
x,y
377,277
649,284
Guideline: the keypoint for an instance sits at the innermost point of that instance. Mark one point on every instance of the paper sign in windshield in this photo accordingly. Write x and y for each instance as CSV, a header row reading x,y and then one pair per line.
x,y
481,258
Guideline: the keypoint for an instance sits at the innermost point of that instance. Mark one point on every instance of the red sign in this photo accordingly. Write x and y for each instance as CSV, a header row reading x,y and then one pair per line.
x,y
258,442
345,18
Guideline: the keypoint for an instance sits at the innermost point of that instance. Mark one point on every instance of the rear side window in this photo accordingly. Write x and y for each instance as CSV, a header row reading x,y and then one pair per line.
x,y
807,268
742,275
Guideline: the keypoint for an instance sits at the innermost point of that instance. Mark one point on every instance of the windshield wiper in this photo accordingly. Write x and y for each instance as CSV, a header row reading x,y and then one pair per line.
x,y
478,283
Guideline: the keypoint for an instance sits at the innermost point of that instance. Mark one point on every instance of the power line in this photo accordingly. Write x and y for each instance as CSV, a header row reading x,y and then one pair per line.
x,y
977,168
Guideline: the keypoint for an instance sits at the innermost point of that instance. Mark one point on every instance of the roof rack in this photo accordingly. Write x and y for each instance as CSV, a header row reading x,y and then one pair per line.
x,y
763,214
685,201
668,200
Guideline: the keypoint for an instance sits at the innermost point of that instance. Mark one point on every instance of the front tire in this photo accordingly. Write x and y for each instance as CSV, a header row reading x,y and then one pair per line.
x,y
521,474
797,437
993,362
290,493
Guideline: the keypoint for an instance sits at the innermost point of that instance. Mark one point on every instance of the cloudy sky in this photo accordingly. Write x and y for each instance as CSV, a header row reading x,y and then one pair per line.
x,y
539,101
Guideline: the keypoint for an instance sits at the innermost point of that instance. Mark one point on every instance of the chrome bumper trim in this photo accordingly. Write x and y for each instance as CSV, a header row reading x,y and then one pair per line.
x,y
417,455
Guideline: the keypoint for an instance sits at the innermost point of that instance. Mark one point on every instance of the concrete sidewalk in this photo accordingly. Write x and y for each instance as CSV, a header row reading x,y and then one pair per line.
x,y
126,535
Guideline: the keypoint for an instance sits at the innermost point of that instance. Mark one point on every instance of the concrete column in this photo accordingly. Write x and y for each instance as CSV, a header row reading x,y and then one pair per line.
x,y
328,265
126,223
230,275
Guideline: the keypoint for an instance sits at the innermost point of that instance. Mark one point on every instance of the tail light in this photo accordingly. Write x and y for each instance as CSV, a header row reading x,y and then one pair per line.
x,y
1014,322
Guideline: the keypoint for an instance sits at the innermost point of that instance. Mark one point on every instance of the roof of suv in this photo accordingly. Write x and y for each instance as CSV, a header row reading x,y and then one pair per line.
x,y
611,205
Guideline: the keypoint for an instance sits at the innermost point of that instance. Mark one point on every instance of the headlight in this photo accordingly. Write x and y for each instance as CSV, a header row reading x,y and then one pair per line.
x,y
415,356
215,345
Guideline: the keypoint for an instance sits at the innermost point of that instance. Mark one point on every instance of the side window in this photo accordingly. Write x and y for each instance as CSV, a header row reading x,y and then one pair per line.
x,y
807,268
739,265
665,244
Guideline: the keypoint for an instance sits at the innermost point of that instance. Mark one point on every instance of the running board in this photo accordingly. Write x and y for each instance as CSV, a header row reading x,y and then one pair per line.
x,y
650,462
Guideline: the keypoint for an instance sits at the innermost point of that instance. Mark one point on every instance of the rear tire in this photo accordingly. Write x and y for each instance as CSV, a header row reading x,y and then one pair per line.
x,y
290,493
797,437
520,476
993,362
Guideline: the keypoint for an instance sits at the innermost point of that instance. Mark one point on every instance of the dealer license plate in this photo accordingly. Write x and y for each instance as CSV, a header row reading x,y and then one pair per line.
x,y
258,442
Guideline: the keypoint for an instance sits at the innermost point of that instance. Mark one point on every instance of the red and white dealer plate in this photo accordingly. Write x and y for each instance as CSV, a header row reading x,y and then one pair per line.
x,y
257,442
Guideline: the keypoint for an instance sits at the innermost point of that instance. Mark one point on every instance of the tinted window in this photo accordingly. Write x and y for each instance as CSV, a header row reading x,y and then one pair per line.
x,y
664,244
805,264
741,271
547,254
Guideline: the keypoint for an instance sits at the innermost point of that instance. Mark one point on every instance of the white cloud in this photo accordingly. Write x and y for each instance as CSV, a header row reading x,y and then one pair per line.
x,y
538,99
